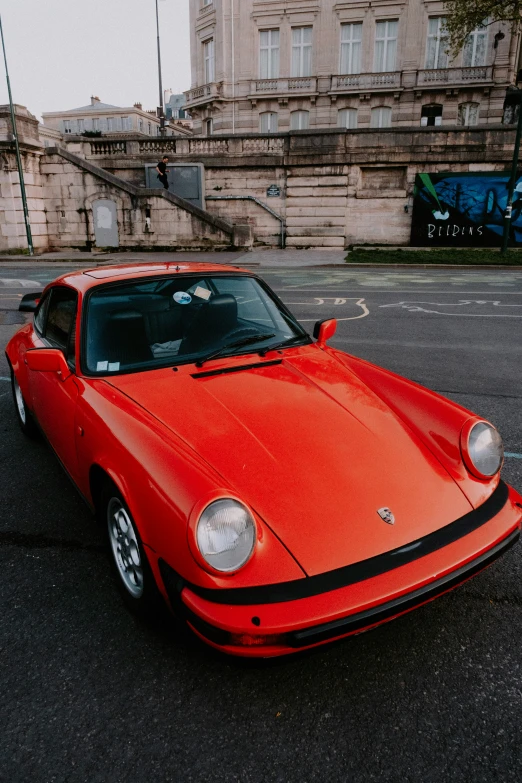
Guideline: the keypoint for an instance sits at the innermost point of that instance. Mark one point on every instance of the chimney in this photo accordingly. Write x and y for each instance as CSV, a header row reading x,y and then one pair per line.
x,y
94,100
138,106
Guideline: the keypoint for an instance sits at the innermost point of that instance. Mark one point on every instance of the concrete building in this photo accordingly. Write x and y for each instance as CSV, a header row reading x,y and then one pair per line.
x,y
263,66
103,117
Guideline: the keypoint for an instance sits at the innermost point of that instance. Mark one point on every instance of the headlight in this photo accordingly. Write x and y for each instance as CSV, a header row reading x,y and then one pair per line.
x,y
482,449
226,535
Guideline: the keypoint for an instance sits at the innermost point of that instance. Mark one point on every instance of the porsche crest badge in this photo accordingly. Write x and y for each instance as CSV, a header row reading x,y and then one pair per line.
x,y
386,515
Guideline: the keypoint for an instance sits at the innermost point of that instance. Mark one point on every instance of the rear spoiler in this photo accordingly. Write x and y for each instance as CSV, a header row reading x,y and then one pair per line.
x,y
29,302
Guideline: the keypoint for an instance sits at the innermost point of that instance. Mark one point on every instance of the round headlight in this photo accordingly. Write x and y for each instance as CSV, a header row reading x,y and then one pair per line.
x,y
484,449
226,535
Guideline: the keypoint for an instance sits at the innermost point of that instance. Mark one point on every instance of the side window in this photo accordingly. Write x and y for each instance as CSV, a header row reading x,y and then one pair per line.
x,y
60,327
41,313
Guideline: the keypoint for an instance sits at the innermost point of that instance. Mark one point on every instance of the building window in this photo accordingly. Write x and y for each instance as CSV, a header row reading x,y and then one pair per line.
x,y
301,51
140,126
436,54
269,54
431,114
468,114
268,122
299,120
208,57
347,118
110,124
126,123
386,45
474,52
150,129
67,126
96,124
351,39
81,126
208,126
381,117
207,2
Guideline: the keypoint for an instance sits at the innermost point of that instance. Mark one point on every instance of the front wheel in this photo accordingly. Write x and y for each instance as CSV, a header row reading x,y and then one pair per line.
x,y
23,414
130,565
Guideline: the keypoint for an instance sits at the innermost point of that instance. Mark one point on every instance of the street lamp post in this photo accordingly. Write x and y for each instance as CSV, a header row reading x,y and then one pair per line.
x,y
515,98
160,105
17,148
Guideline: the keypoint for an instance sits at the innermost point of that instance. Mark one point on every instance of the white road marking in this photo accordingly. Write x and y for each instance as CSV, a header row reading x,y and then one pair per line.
x,y
416,307
4,379
406,291
11,282
335,301
512,455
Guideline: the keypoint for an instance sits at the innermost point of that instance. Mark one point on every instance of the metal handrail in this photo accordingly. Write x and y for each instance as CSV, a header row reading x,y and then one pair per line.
x,y
261,204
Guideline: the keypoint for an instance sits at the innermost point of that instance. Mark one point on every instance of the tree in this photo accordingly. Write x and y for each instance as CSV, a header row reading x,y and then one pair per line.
x,y
464,16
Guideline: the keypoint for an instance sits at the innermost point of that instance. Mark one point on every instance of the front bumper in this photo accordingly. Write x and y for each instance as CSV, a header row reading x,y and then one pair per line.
x,y
298,615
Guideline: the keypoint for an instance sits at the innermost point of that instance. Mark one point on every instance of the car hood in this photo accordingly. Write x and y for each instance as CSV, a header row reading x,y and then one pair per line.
x,y
310,447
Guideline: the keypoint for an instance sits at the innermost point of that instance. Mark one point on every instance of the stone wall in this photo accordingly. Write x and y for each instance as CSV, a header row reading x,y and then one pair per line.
x,y
12,223
337,188
72,186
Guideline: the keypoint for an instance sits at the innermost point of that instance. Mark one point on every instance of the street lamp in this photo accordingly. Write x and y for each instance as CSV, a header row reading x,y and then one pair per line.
x,y
17,148
160,105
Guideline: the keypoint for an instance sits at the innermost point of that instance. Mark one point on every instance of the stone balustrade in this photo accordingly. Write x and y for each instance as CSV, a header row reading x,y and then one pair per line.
x,y
363,145
302,84
449,76
156,146
108,147
355,82
203,94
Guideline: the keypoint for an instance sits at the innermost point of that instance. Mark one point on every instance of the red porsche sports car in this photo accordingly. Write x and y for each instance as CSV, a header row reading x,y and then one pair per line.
x,y
276,492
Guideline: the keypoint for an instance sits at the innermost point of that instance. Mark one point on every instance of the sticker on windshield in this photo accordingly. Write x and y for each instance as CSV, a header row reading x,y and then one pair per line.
x,y
203,293
114,366
102,366
181,297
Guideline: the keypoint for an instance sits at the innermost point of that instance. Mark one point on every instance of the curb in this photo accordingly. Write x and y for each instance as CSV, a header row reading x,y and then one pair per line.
x,y
96,261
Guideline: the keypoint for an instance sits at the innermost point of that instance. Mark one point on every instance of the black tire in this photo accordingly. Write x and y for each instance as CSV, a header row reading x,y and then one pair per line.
x,y
131,570
23,414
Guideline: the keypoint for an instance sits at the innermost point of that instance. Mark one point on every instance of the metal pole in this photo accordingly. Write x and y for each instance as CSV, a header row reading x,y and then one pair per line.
x,y
512,180
18,157
162,117
233,47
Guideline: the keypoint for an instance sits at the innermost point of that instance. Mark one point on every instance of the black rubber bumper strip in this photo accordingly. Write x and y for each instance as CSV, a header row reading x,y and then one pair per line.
x,y
379,614
347,575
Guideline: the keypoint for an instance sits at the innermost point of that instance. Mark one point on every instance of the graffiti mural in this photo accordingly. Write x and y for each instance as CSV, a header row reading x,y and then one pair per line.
x,y
464,210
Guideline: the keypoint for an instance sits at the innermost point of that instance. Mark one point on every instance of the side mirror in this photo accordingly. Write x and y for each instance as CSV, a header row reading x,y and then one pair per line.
x,y
324,330
29,302
48,360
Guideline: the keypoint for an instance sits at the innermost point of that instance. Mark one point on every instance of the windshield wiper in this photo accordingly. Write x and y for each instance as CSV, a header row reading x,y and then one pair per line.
x,y
283,343
254,338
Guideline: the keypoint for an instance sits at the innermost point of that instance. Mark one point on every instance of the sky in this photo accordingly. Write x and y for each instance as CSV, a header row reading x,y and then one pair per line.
x,y
60,52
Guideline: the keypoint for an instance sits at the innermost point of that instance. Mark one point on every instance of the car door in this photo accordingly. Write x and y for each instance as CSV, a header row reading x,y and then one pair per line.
x,y
53,397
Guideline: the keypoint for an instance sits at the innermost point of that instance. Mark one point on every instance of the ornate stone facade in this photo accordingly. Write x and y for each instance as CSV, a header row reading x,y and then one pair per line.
x,y
262,66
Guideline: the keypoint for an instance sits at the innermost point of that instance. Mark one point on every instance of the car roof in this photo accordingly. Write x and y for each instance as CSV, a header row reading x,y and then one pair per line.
x,y
85,279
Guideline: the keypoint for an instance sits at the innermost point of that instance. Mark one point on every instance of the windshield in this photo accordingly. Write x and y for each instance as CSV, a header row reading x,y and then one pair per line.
x,y
148,323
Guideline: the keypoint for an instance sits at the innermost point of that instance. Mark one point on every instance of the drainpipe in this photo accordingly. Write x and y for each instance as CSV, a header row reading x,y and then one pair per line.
x,y
259,203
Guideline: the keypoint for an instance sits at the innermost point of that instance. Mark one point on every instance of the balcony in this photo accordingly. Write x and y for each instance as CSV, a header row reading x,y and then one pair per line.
x,y
366,82
298,85
444,77
204,94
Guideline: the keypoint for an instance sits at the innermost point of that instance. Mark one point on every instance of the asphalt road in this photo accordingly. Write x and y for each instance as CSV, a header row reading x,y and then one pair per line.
x,y
89,694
